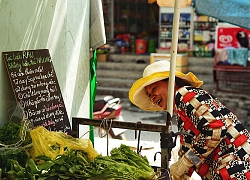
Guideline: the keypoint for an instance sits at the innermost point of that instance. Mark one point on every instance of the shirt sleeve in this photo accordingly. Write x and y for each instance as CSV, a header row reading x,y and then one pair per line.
x,y
199,116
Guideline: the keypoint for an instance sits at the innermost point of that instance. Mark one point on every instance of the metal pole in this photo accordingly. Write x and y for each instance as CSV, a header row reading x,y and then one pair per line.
x,y
174,46
166,137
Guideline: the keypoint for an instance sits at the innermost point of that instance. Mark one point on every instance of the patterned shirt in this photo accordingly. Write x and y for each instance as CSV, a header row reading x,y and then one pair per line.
x,y
218,144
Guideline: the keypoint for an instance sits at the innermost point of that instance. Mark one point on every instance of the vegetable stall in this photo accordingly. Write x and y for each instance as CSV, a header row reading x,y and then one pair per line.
x,y
37,144
37,153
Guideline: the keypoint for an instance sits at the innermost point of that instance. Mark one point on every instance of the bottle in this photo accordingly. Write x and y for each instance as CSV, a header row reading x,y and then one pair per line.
x,y
132,43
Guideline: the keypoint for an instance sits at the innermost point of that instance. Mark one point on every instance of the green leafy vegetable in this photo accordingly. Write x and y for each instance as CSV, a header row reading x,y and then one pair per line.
x,y
123,163
107,168
9,133
72,165
126,154
12,154
17,154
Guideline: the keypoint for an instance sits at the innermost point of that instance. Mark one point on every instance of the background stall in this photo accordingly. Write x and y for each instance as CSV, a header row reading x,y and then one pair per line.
x,y
231,60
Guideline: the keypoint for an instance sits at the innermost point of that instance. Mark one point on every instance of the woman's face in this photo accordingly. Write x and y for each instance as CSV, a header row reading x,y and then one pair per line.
x,y
157,93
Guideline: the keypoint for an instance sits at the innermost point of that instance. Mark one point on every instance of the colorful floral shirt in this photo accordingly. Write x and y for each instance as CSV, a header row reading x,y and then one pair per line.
x,y
218,144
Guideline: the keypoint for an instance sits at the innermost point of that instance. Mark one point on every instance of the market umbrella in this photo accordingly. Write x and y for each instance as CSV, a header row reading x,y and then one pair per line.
x,y
236,12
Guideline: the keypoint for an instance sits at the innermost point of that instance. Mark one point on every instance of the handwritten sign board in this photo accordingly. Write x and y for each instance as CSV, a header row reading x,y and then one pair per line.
x,y
36,88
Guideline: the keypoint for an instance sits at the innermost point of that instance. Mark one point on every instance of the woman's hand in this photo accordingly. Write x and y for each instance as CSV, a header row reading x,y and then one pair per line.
x,y
183,177
180,168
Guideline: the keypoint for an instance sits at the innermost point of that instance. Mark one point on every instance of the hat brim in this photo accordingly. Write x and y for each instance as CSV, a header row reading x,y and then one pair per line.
x,y
137,94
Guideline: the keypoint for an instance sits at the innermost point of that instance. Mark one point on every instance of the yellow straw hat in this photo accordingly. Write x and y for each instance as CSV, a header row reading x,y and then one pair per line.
x,y
154,72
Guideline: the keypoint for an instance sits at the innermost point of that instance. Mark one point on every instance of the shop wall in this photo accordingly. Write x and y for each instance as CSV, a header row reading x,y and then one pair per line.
x,y
62,26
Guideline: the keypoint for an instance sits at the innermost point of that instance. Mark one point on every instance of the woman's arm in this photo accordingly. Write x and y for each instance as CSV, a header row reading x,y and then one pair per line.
x,y
199,115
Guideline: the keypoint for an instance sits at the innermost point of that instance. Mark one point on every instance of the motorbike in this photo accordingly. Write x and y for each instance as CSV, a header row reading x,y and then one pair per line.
x,y
109,107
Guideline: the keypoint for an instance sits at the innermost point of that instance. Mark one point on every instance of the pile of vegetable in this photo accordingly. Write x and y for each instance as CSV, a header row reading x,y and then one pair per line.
x,y
124,163
10,139
72,161
10,133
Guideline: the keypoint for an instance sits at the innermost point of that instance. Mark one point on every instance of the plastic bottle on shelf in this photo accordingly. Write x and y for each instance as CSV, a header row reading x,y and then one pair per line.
x,y
162,33
132,42
168,33
165,33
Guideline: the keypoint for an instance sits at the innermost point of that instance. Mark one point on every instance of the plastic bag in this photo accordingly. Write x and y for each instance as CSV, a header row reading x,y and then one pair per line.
x,y
52,143
15,137
15,132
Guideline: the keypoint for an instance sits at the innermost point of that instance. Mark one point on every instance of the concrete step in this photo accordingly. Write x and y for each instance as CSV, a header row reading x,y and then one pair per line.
x,y
205,62
134,58
209,88
114,91
197,65
123,92
129,58
118,74
197,68
200,65
207,70
128,66
206,80
117,82
114,82
204,74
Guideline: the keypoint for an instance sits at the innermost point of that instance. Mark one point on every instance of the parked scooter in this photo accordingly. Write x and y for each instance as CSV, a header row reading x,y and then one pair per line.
x,y
108,107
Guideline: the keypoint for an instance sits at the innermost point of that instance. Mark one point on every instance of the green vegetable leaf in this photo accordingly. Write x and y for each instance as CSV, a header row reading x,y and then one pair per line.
x,y
33,167
44,158
46,165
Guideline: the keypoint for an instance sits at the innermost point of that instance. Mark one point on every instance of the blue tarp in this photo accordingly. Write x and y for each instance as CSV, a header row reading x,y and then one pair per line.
x,y
236,12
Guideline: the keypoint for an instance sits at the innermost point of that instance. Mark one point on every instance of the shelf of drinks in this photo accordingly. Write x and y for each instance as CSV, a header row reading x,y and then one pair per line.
x,y
171,26
169,38
190,53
